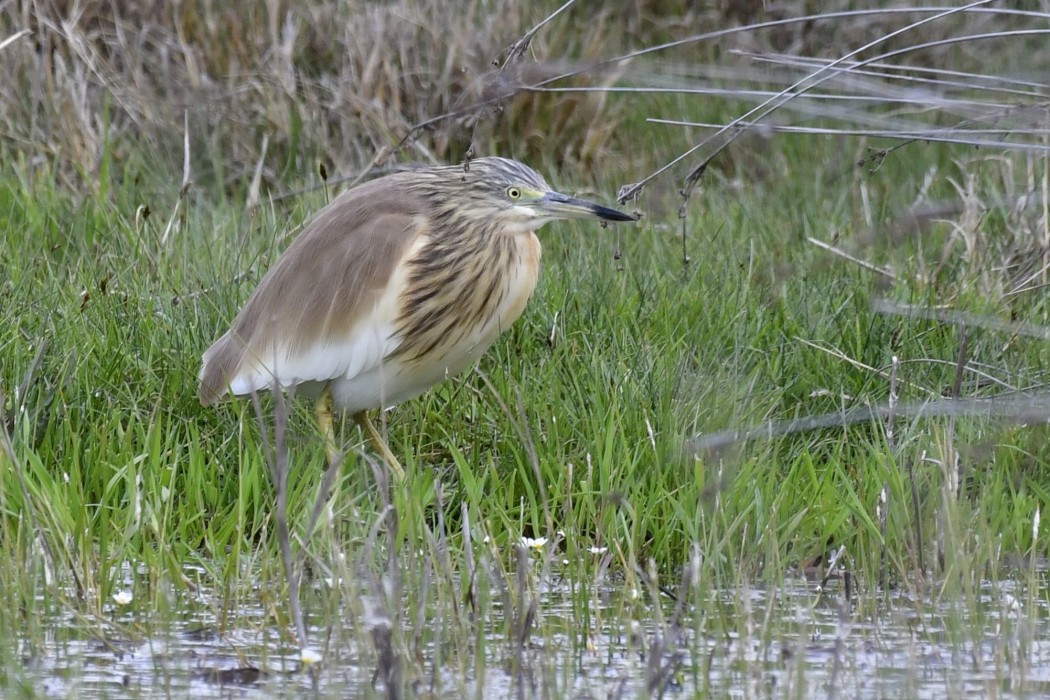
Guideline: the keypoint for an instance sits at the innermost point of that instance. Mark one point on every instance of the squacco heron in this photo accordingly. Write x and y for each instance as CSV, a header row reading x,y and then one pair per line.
x,y
396,285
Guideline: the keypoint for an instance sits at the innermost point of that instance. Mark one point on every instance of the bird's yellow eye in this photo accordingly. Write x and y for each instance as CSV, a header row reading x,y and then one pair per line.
x,y
513,192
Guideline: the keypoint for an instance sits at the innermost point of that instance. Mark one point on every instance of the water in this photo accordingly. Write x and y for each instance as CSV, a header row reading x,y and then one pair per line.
x,y
785,641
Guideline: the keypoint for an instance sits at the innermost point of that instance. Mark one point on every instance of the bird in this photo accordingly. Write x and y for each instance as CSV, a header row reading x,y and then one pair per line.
x,y
394,286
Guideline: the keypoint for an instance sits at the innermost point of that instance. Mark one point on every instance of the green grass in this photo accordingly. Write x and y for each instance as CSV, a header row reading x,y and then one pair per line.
x,y
573,427
646,352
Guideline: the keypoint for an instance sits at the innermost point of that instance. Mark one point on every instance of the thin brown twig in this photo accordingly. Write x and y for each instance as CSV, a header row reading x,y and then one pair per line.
x,y
962,319
506,89
14,37
184,188
853,259
1034,407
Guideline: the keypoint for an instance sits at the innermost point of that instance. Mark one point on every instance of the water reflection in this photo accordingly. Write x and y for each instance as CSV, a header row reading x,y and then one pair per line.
x,y
748,642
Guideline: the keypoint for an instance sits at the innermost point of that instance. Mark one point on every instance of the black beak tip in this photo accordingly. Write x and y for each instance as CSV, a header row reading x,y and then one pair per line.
x,y
602,212
610,214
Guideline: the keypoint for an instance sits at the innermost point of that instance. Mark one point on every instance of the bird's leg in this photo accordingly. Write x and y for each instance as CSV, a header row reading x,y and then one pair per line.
x,y
325,421
380,444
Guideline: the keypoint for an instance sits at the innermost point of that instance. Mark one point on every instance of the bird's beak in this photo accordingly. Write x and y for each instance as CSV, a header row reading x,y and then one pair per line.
x,y
564,207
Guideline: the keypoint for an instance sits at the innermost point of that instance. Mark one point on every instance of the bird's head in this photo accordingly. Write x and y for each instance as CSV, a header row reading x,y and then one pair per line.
x,y
513,194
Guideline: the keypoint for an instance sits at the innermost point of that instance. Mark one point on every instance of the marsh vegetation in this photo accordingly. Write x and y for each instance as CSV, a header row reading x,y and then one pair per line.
x,y
784,438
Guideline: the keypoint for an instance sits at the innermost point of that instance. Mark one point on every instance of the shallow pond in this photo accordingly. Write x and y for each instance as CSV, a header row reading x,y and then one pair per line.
x,y
784,641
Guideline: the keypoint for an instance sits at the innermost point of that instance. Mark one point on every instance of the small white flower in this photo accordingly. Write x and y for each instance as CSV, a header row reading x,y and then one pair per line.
x,y
486,540
122,597
536,543
309,657
597,550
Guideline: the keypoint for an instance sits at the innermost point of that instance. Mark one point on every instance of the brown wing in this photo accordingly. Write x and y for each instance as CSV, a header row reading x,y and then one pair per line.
x,y
304,322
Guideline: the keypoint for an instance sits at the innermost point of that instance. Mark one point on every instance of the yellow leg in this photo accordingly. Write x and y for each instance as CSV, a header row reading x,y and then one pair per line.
x,y
325,421
380,445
